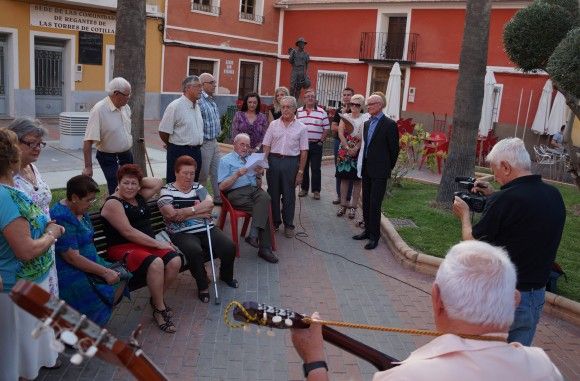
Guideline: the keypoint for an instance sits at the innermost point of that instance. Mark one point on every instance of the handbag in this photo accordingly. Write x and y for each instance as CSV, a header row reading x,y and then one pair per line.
x,y
124,276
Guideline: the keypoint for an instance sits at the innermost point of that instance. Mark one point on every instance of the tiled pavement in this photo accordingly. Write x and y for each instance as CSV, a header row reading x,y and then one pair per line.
x,y
305,280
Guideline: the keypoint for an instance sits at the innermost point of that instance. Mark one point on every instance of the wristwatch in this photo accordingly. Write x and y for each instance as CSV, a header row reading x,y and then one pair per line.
x,y
313,365
193,209
300,171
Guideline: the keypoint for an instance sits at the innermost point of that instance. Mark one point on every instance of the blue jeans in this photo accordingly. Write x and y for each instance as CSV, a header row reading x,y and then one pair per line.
x,y
174,152
350,182
110,163
527,316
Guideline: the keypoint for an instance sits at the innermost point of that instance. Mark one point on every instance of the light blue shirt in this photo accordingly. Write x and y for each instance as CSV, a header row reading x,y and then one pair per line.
x,y
229,164
372,126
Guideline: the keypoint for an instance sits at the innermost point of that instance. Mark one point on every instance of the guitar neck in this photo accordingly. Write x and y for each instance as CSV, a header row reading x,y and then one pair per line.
x,y
140,366
380,360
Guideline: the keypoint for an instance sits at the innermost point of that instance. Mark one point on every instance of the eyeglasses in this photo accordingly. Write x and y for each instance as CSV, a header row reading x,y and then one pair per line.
x,y
210,82
90,201
33,145
372,103
355,105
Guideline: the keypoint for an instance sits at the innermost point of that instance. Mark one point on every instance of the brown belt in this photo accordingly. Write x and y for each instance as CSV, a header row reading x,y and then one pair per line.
x,y
281,156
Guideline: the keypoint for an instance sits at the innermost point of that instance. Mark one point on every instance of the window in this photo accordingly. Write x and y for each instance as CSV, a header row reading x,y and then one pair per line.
x,y
329,88
252,10
196,67
206,6
249,80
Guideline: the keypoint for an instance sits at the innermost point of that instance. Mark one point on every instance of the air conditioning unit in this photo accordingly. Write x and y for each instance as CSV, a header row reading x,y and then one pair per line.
x,y
72,126
151,8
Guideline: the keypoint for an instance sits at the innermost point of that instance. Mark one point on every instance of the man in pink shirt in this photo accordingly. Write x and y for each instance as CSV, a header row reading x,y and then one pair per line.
x,y
474,293
286,148
316,121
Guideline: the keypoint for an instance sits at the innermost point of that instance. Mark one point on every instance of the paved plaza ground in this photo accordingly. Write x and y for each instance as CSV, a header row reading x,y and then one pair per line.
x,y
305,280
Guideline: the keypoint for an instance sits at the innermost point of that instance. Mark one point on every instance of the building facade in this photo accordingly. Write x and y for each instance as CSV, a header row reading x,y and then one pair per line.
x,y
58,56
356,43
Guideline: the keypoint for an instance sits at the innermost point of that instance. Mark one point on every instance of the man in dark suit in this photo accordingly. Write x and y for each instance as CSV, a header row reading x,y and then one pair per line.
x,y
377,158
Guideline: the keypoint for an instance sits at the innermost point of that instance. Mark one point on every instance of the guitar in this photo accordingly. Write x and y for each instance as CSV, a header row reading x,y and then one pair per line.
x,y
74,329
273,317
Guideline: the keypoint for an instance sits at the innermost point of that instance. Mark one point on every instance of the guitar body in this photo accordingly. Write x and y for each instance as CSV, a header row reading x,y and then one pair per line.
x,y
56,314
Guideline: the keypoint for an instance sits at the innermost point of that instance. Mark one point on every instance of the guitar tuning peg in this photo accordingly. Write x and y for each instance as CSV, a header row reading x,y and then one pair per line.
x,y
265,316
246,328
91,351
69,337
270,333
76,359
57,346
288,323
36,332
276,319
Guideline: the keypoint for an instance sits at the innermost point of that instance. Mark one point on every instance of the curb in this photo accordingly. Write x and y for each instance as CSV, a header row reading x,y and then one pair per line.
x,y
556,305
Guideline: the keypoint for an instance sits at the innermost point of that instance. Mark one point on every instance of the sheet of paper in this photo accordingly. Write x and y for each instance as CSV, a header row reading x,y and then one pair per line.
x,y
254,161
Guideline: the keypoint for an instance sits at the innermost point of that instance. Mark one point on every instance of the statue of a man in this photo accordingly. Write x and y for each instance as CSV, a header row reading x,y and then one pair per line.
x,y
299,60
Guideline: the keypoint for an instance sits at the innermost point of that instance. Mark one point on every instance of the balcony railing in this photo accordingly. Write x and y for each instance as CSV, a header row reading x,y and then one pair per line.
x,y
205,8
252,17
380,46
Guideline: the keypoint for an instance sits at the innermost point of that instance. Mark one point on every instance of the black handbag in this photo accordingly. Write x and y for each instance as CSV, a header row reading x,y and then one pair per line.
x,y
124,276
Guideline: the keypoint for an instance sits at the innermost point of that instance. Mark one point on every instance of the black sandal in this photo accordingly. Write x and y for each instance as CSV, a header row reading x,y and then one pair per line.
x,y
232,283
167,308
167,325
203,296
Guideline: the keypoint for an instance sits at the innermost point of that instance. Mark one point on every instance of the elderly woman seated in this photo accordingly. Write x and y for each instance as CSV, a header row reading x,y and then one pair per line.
x,y
131,238
186,207
77,258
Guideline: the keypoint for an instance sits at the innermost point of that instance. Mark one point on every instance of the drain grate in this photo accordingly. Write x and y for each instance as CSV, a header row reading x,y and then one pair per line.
x,y
402,223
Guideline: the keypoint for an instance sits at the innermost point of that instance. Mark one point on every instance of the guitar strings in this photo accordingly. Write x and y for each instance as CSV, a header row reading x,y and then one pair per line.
x,y
303,234
308,320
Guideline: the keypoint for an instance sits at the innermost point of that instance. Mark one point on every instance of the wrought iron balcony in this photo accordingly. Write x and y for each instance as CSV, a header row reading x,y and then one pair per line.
x,y
390,47
205,8
252,17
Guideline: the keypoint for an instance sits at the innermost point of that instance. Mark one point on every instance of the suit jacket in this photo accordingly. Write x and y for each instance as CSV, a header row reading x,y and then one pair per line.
x,y
382,150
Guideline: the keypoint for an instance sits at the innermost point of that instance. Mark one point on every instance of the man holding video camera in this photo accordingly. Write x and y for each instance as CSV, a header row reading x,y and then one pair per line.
x,y
526,217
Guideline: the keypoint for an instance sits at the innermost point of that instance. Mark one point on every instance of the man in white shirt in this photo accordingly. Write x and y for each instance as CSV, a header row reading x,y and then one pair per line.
x,y
109,126
474,293
316,121
181,127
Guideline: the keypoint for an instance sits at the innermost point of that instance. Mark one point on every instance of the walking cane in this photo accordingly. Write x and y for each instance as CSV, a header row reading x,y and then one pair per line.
x,y
217,298
142,140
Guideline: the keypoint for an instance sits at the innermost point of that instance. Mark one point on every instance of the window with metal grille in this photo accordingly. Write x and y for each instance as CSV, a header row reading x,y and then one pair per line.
x,y
248,6
329,86
209,6
249,78
196,67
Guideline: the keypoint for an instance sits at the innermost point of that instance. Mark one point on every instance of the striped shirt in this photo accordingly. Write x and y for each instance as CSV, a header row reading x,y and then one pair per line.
x,y
170,195
211,116
316,121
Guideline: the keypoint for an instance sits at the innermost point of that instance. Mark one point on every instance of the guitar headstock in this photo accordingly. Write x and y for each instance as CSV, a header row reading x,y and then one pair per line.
x,y
268,316
75,329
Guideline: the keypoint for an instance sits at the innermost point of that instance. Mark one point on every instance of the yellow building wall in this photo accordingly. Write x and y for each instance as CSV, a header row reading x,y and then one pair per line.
x,y
16,15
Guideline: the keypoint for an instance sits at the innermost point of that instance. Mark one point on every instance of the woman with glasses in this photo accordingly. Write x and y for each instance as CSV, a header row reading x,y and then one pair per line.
x,y
350,131
76,255
30,136
249,120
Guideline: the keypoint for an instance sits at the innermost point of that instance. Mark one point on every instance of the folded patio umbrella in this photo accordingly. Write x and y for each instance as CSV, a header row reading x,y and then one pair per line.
x,y
393,94
486,121
558,115
540,124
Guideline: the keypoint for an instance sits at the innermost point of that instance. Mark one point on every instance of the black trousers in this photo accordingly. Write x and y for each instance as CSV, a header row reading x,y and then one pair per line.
x,y
195,247
110,163
281,179
313,162
373,191
174,152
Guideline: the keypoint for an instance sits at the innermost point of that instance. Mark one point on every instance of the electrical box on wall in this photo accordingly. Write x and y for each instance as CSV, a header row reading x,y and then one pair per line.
x,y
78,72
411,97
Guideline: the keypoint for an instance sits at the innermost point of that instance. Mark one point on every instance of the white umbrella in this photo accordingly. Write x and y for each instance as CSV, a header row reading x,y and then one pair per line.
x,y
486,121
540,124
393,94
558,114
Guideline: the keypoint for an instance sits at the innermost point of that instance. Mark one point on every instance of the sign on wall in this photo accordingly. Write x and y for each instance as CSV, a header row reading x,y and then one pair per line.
x,y
71,19
90,48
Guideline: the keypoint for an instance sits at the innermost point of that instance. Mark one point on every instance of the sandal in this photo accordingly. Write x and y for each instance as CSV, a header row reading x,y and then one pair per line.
x,y
167,325
203,296
341,211
352,213
167,308
361,224
232,283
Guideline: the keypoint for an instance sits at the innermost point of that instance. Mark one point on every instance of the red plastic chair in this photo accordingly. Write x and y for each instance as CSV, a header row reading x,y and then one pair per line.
x,y
234,215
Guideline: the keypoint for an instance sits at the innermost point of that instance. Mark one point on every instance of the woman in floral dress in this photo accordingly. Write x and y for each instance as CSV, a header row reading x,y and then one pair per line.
x,y
350,131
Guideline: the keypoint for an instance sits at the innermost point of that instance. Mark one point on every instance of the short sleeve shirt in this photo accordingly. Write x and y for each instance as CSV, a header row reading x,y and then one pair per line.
x,y
170,195
286,140
229,164
183,122
110,127
316,121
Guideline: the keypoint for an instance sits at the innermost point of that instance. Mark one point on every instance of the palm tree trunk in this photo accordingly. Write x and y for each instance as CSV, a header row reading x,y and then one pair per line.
x,y
468,99
130,64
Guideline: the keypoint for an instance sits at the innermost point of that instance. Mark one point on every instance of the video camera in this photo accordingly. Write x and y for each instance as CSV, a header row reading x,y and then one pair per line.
x,y
475,201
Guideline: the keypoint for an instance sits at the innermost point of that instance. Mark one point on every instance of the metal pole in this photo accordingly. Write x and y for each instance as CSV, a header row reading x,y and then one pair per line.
x,y
527,114
217,298
518,117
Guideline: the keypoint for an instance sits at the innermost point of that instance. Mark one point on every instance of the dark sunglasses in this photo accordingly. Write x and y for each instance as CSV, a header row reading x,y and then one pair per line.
x,y
355,104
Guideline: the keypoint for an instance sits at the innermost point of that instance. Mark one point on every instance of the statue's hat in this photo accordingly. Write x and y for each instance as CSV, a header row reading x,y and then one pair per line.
x,y
301,39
